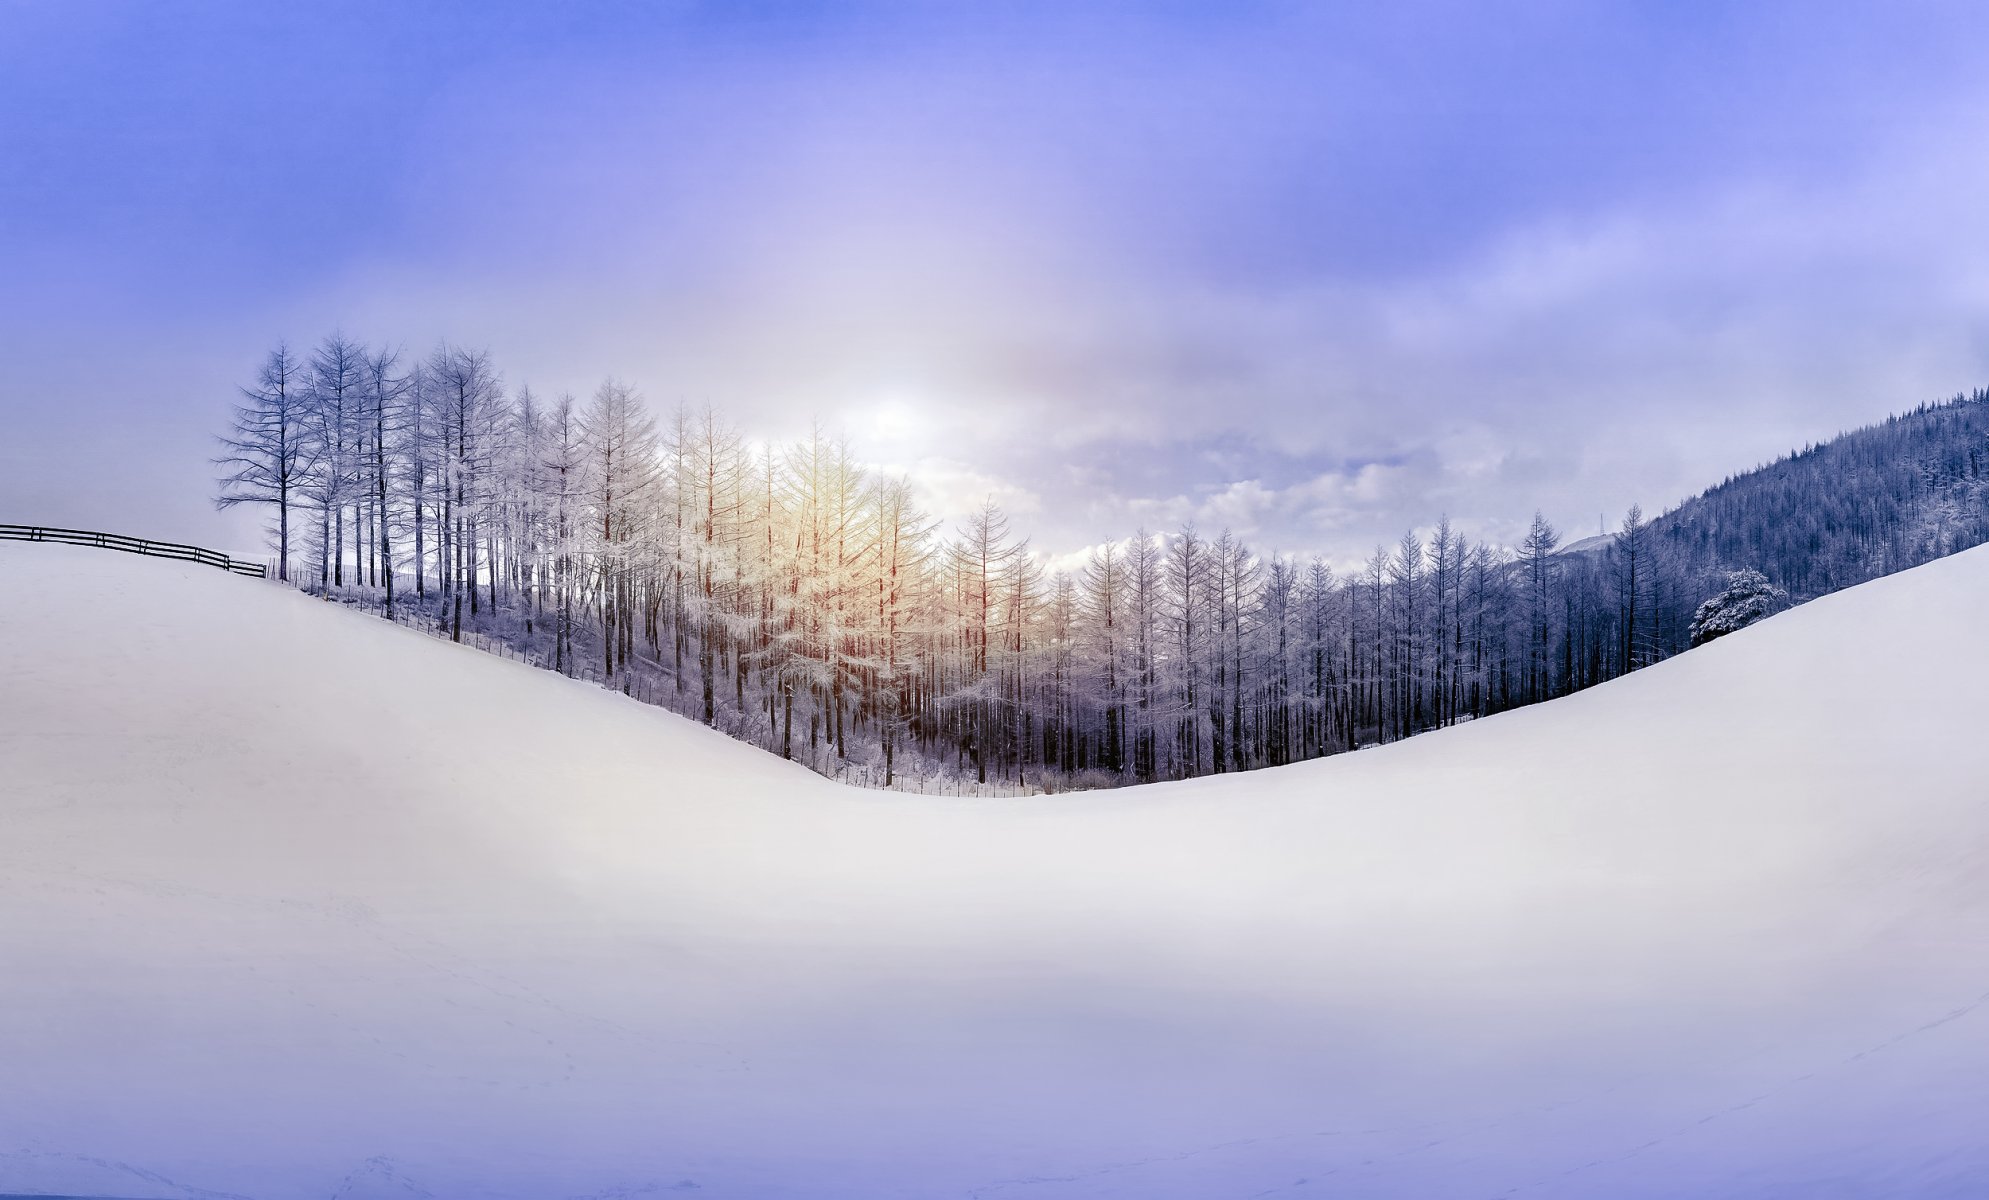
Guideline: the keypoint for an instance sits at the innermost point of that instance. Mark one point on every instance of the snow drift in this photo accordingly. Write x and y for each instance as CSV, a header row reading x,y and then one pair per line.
x,y
1712,930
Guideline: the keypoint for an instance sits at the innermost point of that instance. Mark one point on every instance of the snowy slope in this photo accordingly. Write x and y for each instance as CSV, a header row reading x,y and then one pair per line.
x,y
1589,545
298,904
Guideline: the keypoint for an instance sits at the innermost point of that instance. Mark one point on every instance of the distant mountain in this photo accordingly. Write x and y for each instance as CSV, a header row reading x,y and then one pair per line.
x,y
1590,545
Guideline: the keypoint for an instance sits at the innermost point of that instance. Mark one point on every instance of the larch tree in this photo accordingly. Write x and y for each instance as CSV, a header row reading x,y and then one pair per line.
x,y
269,452
623,476
1631,561
386,390
979,557
1537,550
786,576
336,379
1102,601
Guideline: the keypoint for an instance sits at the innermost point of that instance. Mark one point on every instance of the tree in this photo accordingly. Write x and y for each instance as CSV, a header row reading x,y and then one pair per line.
x,y
1746,598
564,480
1406,650
418,452
980,556
902,553
1537,550
1143,596
331,417
623,473
1187,581
1446,563
1631,584
269,451
1327,639
1102,588
470,417
713,481
386,393
1279,615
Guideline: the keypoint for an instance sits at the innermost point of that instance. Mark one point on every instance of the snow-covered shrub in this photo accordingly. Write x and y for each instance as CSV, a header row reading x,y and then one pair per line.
x,y
1746,598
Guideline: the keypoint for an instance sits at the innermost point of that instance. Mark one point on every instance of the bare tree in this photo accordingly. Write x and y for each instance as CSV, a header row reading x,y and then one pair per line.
x,y
386,392
1631,584
623,473
336,378
1537,550
269,451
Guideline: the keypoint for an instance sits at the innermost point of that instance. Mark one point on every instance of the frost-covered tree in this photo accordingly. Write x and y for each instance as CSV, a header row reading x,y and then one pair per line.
x,y
1102,657
784,591
469,415
1278,620
1187,582
1144,568
269,452
980,556
385,391
1537,551
1746,598
332,415
1632,564
621,483
902,553
562,480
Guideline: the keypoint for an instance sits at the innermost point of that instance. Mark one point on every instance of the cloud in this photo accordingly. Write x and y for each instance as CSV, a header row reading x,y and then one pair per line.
x,y
1635,354
951,489
1316,275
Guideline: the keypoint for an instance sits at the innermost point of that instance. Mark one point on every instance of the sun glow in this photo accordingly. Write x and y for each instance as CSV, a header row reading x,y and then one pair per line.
x,y
896,421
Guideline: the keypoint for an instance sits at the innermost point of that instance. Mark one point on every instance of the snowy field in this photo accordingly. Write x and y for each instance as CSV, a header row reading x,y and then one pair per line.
x,y
1714,930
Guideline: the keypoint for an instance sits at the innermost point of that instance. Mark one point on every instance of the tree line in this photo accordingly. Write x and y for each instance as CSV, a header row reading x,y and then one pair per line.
x,y
799,601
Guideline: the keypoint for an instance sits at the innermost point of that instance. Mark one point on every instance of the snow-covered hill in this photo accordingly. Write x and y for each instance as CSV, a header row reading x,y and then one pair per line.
x,y
502,935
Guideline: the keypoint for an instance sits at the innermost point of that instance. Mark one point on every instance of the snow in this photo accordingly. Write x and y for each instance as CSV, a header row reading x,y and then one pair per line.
x,y
295,903
1593,543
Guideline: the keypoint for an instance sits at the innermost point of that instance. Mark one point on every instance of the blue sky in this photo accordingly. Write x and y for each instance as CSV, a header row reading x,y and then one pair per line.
x,y
1320,272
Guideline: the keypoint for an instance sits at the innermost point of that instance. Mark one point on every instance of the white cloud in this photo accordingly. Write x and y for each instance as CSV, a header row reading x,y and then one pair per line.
x,y
951,489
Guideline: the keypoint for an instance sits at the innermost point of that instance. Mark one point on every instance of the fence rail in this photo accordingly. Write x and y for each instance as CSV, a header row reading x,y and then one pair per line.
x,y
131,545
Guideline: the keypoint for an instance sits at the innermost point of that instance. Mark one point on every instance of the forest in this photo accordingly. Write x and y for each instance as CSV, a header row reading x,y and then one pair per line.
x,y
794,599
1905,491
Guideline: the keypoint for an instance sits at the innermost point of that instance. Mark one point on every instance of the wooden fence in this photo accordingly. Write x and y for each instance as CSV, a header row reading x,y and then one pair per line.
x,y
131,545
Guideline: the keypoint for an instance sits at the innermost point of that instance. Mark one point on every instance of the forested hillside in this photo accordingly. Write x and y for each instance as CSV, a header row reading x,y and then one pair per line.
x,y
795,600
1905,491
1908,490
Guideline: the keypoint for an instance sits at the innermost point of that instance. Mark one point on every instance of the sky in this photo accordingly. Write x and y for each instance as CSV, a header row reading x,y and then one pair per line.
x,y
1317,273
